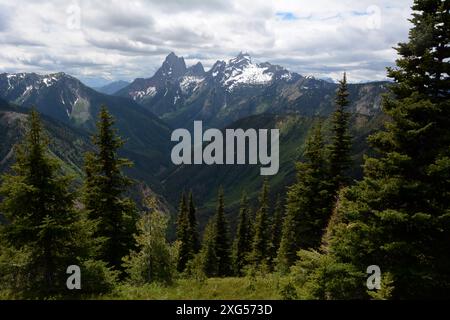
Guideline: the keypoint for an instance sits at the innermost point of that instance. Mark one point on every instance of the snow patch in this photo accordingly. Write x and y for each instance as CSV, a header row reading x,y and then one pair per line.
x,y
286,76
149,92
251,74
190,83
49,80
27,90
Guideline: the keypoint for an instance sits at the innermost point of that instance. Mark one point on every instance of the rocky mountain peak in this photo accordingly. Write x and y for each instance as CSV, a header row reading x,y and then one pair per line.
x,y
172,67
196,70
241,60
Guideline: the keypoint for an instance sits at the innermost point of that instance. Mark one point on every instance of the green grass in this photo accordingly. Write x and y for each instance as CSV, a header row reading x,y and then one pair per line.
x,y
267,287
260,288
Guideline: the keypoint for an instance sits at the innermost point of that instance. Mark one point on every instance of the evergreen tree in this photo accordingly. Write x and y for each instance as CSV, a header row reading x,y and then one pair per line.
x,y
222,238
155,259
261,235
277,223
183,236
397,216
44,234
187,232
341,140
207,257
193,226
307,204
243,242
103,195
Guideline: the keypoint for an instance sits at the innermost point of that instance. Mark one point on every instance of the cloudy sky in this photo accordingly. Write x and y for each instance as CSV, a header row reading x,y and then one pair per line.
x,y
99,41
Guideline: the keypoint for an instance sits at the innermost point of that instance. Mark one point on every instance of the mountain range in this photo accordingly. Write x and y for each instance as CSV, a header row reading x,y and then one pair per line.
x,y
238,93
238,88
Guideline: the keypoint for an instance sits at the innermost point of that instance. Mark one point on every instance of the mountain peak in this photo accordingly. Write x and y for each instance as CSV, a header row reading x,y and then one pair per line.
x,y
173,59
243,55
58,74
196,69
172,67
241,60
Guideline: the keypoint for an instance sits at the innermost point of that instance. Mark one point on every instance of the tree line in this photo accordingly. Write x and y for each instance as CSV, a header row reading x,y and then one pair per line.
x,y
268,238
322,234
51,224
396,218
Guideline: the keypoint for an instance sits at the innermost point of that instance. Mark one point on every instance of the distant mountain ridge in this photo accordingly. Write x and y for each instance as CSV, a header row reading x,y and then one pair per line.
x,y
112,87
58,95
239,88
65,99
69,145
236,93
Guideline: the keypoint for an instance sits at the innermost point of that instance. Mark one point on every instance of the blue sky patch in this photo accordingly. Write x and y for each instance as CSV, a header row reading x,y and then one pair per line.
x,y
286,16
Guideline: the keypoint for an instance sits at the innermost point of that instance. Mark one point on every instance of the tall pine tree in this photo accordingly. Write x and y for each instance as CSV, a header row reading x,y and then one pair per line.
x,y
193,225
260,255
207,260
243,242
398,216
185,253
44,234
341,140
187,232
222,238
277,227
307,204
104,193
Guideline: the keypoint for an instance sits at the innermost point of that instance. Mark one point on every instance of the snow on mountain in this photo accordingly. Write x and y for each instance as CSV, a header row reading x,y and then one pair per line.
x,y
148,92
57,93
29,81
241,71
251,74
189,84
176,82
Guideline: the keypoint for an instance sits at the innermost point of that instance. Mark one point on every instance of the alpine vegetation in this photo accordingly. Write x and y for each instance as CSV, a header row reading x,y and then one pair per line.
x,y
244,181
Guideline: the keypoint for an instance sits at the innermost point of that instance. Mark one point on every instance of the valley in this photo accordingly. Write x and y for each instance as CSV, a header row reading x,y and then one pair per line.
x,y
237,94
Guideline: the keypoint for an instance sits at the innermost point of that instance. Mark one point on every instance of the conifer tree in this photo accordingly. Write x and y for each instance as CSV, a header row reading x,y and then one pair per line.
x,y
208,257
277,223
260,255
341,140
183,236
187,232
222,238
44,234
193,226
104,193
243,242
307,204
397,216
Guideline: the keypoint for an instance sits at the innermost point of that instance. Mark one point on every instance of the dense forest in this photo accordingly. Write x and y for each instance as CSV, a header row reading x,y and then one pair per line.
x,y
315,240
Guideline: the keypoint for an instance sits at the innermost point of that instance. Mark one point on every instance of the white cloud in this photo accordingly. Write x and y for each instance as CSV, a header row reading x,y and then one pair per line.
x,y
129,39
